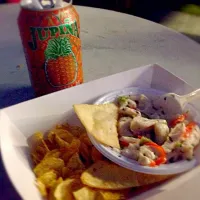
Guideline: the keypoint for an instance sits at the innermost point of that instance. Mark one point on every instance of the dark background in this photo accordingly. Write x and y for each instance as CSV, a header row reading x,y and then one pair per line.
x,y
153,10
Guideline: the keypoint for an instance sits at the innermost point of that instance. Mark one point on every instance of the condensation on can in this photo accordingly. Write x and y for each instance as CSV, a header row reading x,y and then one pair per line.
x,y
52,48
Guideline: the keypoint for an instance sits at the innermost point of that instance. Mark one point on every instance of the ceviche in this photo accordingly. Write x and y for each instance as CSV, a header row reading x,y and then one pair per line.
x,y
150,140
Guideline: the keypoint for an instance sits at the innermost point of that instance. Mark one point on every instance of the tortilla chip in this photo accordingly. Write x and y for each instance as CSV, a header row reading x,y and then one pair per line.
x,y
146,179
105,175
108,176
100,121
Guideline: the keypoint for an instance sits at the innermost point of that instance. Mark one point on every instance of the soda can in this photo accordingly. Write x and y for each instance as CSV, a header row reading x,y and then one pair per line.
x,y
52,47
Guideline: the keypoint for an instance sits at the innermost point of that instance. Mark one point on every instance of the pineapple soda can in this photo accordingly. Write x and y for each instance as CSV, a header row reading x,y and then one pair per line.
x,y
52,47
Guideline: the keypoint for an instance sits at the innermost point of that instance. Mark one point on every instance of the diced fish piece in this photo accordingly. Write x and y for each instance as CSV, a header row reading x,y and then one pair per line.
x,y
194,137
129,111
130,140
173,137
161,132
140,123
142,100
176,132
131,103
146,151
124,126
125,101
132,151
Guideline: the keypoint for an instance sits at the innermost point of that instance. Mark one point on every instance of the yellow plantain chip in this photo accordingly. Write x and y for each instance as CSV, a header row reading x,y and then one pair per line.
x,y
60,142
54,153
75,163
48,164
37,146
63,191
70,173
108,176
85,193
53,188
110,195
76,131
61,133
41,187
48,178
71,150
100,121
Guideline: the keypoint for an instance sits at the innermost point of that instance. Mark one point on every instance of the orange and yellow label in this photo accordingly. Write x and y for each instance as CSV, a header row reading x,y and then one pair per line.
x,y
52,47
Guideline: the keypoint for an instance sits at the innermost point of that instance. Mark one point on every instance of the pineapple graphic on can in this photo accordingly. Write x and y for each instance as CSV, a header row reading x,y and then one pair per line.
x,y
61,67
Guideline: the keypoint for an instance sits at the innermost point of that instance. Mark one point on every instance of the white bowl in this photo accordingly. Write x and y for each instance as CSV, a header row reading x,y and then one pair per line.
x,y
116,157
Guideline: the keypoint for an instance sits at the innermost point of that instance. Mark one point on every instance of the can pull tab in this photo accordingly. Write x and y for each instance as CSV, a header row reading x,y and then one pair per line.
x,y
59,3
46,4
31,4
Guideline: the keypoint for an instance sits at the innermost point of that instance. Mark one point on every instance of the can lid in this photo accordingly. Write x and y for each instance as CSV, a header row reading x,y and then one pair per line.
x,y
44,4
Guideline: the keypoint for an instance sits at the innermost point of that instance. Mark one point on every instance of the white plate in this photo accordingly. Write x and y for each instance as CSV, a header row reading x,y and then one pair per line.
x,y
113,155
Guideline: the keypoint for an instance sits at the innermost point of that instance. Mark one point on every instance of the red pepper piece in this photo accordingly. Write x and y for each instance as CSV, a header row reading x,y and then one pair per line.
x,y
189,129
162,155
179,119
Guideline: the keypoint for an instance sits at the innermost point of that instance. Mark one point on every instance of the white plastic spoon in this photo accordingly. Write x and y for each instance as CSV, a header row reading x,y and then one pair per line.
x,y
171,104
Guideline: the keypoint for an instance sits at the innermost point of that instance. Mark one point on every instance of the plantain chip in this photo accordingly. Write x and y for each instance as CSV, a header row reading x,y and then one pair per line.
x,y
41,187
61,133
85,193
48,178
110,195
63,190
56,153
53,188
37,146
76,131
71,150
48,164
60,142
75,163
